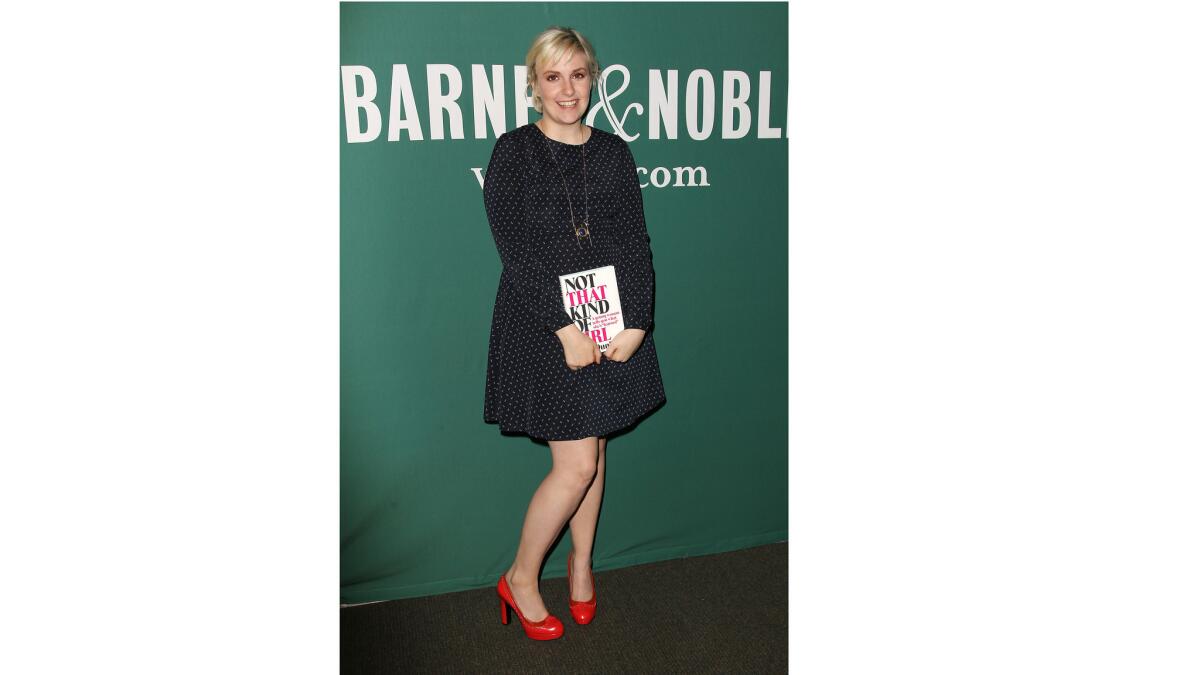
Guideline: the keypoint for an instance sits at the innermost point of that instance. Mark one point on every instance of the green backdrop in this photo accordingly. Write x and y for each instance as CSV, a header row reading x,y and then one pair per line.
x,y
432,498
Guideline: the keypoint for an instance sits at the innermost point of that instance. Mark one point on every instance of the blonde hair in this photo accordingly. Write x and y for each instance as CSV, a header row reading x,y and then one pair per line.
x,y
553,45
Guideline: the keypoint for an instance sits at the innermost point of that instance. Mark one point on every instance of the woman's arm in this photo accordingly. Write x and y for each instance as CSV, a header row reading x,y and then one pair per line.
x,y
538,289
635,271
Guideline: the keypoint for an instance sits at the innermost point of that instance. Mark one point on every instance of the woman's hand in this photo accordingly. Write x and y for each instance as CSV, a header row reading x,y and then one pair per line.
x,y
624,344
578,349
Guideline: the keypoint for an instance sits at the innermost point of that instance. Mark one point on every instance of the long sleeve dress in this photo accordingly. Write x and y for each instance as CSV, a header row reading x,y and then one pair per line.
x,y
530,389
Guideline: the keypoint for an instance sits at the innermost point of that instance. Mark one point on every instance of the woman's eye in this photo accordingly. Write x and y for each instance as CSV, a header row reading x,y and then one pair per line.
x,y
551,78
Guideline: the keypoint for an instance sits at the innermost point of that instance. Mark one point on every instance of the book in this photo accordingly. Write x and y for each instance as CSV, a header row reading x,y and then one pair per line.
x,y
594,303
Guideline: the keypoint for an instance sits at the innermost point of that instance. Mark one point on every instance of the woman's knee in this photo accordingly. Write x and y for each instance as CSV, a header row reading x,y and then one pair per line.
x,y
581,471
577,464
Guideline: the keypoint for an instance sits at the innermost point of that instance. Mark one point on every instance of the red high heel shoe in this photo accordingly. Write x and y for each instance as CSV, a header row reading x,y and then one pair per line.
x,y
548,628
583,612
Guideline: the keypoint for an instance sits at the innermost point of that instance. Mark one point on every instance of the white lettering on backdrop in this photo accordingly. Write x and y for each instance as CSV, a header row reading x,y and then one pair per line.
x,y
444,88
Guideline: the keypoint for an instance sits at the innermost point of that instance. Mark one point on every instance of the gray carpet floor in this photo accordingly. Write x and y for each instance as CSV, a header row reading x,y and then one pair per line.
x,y
722,613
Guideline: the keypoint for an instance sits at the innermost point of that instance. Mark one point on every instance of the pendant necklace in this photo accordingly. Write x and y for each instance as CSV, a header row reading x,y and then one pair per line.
x,y
582,231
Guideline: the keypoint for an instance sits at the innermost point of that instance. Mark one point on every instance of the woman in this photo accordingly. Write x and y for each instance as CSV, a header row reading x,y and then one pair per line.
x,y
562,197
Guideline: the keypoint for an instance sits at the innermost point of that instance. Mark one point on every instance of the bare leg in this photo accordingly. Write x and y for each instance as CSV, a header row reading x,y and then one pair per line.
x,y
553,503
583,531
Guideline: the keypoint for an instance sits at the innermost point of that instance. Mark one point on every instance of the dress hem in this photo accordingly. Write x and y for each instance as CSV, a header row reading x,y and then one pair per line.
x,y
619,427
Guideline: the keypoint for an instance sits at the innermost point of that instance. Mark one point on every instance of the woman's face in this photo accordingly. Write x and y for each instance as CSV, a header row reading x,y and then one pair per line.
x,y
565,88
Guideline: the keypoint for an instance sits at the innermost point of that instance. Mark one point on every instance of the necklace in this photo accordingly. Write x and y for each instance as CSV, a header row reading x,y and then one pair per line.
x,y
581,231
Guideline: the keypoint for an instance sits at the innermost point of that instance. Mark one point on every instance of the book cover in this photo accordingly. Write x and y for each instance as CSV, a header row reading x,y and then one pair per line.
x,y
594,303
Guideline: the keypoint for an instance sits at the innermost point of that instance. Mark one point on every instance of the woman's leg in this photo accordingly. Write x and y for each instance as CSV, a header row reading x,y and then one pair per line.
x,y
553,503
583,531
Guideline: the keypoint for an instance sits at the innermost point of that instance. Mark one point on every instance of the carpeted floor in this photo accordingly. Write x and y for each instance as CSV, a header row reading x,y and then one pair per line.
x,y
723,613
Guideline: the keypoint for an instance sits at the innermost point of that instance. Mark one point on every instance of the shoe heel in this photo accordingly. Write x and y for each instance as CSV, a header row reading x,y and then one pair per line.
x,y
548,628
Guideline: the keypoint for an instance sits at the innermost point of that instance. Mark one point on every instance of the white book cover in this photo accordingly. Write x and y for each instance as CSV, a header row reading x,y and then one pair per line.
x,y
592,300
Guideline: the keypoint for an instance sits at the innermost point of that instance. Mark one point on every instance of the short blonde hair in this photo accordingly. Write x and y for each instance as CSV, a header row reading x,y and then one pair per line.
x,y
553,45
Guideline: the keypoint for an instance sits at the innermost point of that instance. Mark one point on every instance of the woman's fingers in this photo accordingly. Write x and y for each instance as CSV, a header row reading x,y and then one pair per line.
x,y
615,353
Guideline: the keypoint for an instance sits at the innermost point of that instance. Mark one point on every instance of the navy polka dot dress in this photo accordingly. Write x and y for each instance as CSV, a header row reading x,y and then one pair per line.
x,y
530,389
